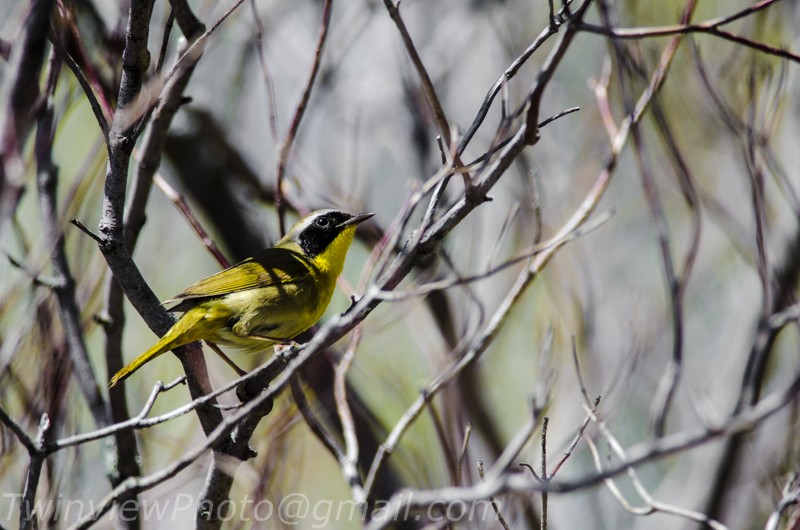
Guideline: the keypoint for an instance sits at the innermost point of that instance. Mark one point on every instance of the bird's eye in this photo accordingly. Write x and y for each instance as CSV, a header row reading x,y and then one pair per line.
x,y
323,222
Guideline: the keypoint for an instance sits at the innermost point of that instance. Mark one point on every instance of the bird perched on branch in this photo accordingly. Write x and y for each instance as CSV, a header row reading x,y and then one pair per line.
x,y
267,299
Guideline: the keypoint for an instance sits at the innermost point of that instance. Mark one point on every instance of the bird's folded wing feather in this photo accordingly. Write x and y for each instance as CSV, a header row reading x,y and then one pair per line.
x,y
273,266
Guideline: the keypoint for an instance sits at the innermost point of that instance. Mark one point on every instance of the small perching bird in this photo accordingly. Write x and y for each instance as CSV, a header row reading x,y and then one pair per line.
x,y
267,299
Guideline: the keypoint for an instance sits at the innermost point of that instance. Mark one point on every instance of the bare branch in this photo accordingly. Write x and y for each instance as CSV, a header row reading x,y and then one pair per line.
x,y
180,202
652,506
498,483
495,507
286,147
711,27
791,497
19,432
27,509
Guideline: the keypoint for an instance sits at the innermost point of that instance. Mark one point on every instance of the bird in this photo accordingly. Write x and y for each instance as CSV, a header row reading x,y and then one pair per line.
x,y
264,300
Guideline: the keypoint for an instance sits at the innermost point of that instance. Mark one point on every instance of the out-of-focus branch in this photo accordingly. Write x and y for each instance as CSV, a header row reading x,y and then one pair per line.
x,y
349,460
427,85
669,382
651,505
83,81
347,464
286,147
268,84
711,27
190,25
180,203
211,184
22,87
499,481
47,179
791,497
779,290
18,431
27,508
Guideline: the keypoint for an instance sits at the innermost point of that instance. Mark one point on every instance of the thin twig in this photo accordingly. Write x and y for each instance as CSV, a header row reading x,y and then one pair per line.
x,y
427,85
790,497
183,207
710,27
525,255
448,452
495,507
97,109
139,421
314,423
83,228
18,431
286,146
645,452
543,471
509,73
462,455
651,505
568,453
349,462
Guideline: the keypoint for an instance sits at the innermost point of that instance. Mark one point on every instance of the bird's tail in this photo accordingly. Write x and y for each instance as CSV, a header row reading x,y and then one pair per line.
x,y
184,331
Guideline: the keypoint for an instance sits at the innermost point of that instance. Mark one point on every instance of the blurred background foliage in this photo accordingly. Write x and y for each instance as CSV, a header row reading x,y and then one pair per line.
x,y
368,140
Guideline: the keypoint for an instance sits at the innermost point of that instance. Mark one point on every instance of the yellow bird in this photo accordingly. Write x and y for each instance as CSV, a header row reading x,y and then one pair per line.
x,y
267,299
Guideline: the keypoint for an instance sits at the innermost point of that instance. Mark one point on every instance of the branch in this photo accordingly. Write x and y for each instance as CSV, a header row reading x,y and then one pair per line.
x,y
186,211
645,452
47,180
653,506
349,460
669,381
508,74
288,141
22,90
19,432
710,27
495,507
64,55
791,497
139,421
427,85
27,509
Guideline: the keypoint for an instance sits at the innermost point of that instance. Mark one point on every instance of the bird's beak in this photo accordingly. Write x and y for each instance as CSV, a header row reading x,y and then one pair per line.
x,y
356,219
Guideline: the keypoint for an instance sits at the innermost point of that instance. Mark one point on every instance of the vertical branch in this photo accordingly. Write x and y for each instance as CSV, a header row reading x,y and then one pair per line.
x,y
27,509
23,91
149,159
349,460
756,178
268,84
543,471
47,179
669,381
111,226
294,126
492,501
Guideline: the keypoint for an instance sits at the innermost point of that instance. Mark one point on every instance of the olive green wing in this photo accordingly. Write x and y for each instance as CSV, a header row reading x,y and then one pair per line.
x,y
273,266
